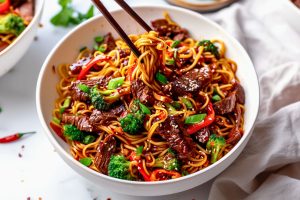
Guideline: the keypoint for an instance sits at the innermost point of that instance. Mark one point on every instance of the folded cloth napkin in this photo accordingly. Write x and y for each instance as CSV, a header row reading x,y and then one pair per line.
x,y
269,166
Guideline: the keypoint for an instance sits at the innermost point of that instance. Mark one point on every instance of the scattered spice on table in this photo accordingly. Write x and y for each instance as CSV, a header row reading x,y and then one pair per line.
x,y
14,137
20,155
36,38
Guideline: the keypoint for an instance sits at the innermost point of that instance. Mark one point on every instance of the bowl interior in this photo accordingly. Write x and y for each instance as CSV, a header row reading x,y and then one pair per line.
x,y
200,28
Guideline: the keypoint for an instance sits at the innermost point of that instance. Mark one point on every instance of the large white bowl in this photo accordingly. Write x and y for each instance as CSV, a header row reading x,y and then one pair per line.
x,y
15,51
66,51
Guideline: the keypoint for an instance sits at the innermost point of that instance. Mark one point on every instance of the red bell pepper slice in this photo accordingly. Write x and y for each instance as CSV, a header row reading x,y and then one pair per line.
x,y
134,157
96,60
210,118
4,6
57,129
162,174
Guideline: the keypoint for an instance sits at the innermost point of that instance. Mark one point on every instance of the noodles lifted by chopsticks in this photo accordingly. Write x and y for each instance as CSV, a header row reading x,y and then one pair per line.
x,y
171,112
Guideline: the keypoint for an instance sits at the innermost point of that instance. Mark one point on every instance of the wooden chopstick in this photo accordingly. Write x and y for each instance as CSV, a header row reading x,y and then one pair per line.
x,y
117,27
134,15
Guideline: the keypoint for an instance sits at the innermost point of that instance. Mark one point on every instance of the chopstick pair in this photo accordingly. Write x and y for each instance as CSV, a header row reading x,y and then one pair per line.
x,y
116,25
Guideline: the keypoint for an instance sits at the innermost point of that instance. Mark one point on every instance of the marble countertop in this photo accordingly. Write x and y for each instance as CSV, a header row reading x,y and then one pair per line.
x,y
31,167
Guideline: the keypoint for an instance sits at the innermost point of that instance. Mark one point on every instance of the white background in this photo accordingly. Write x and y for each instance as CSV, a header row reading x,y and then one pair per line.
x,y
40,172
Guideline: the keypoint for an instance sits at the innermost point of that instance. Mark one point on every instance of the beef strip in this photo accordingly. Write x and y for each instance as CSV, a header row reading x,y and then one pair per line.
x,y
240,93
25,10
118,110
226,105
81,122
104,151
202,135
172,31
236,133
170,131
142,92
110,42
76,67
98,118
189,83
78,95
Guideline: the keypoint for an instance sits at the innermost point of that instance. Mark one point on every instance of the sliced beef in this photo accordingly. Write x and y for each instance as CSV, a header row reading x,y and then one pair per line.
x,y
142,92
226,105
76,67
236,133
172,31
98,118
81,122
78,95
240,93
202,135
110,42
124,52
104,151
26,10
17,3
118,110
189,83
170,131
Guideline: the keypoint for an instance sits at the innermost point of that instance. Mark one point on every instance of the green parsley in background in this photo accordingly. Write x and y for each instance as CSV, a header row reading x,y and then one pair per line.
x,y
69,16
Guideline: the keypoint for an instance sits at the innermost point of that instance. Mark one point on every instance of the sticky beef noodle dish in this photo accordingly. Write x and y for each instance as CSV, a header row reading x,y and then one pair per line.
x,y
173,111
15,15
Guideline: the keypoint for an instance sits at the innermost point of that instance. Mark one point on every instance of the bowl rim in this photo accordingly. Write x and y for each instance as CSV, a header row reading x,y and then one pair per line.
x,y
293,6
37,13
63,152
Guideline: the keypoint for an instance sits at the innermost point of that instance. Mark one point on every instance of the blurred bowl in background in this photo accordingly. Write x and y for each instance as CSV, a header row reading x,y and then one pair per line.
x,y
15,51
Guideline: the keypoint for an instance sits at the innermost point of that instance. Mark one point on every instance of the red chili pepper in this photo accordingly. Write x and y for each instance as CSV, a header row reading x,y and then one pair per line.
x,y
210,118
162,174
57,129
97,59
13,137
4,6
130,72
134,157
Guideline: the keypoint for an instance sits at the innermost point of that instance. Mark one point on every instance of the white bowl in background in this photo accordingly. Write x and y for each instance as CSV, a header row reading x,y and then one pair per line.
x,y
291,13
67,50
15,51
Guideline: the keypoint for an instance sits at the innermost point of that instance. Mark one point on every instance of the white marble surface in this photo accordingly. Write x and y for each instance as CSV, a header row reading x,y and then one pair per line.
x,y
36,170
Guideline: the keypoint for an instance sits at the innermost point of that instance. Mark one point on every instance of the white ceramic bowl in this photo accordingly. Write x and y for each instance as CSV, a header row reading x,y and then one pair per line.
x,y
291,13
66,51
15,51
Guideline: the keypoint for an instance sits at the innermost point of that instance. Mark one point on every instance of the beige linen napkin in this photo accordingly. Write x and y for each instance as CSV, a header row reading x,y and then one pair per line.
x,y
269,167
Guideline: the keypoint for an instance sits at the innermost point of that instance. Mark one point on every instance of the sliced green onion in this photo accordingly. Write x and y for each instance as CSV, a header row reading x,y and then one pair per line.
x,y
194,119
170,62
184,173
99,39
106,92
175,43
82,49
115,83
175,53
176,104
187,102
55,120
83,88
66,104
145,109
161,78
171,109
96,47
89,139
139,150
216,98
86,161
102,48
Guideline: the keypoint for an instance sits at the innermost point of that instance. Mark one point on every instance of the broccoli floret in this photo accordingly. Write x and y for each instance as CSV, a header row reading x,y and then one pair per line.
x,y
132,123
98,100
73,133
209,47
11,24
215,145
168,162
118,167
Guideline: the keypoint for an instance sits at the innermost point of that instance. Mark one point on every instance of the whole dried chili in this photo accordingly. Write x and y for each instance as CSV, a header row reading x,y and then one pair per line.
x,y
13,137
